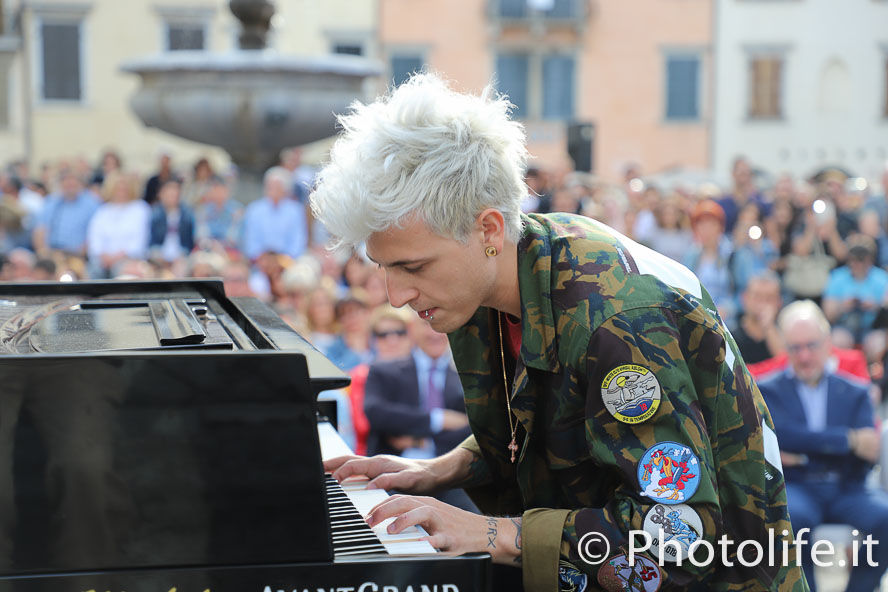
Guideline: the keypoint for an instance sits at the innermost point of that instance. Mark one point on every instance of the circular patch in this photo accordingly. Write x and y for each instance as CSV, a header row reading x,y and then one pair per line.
x,y
570,579
669,473
677,527
617,575
631,393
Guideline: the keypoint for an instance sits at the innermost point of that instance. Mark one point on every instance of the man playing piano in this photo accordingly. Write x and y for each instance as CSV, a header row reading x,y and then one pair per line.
x,y
604,393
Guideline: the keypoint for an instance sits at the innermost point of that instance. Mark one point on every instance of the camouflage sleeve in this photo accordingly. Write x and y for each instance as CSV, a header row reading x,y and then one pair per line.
x,y
660,400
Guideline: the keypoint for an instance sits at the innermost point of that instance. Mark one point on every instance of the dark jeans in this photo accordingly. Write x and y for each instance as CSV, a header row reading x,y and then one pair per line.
x,y
814,503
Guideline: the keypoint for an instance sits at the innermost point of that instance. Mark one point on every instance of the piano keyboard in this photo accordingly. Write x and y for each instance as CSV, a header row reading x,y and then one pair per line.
x,y
351,502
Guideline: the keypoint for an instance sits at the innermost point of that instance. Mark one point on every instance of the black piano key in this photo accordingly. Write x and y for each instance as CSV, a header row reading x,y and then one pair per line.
x,y
351,534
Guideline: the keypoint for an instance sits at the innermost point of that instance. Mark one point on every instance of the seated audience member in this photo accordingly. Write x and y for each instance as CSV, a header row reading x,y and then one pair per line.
x,y
275,222
172,225
753,251
672,234
391,341
826,426
855,292
710,257
155,182
45,270
195,187
119,228
415,404
320,313
236,278
743,192
218,217
65,217
352,346
757,335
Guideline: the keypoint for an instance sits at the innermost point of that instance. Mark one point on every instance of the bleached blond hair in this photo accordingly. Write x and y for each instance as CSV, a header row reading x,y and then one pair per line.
x,y
423,150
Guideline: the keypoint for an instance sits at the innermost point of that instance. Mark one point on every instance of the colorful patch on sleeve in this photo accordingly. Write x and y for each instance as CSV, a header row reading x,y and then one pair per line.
x,y
678,526
631,393
618,576
669,473
570,579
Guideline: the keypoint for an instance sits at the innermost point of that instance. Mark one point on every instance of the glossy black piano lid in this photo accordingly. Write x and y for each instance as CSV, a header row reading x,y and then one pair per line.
x,y
146,460
258,325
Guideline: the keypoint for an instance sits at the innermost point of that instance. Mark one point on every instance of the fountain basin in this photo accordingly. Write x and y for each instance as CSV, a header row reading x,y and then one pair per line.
x,y
250,103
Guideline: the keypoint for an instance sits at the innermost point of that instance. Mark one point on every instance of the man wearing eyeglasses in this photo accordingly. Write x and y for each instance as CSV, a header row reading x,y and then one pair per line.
x,y
826,426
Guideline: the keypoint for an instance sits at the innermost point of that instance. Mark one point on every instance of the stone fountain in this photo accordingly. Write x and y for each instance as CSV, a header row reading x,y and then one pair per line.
x,y
252,102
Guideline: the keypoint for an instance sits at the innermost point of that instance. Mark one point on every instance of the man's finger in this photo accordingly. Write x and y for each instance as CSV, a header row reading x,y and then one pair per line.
x,y
401,480
359,465
423,515
332,464
391,507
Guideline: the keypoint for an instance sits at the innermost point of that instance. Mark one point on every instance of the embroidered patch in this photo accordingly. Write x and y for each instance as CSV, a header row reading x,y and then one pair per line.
x,y
570,579
669,473
618,576
680,525
631,393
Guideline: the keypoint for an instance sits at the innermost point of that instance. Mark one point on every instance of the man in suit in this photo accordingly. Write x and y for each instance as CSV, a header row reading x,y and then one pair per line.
x,y
415,405
826,427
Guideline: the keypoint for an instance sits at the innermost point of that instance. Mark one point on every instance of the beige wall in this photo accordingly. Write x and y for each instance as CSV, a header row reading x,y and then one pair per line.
x,y
455,46
119,30
309,27
619,71
622,86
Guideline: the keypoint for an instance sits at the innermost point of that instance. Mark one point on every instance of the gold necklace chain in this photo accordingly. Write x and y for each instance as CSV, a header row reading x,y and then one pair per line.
x,y
513,446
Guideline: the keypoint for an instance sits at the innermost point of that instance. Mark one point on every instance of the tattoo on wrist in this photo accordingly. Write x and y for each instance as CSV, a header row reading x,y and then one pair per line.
x,y
517,523
491,533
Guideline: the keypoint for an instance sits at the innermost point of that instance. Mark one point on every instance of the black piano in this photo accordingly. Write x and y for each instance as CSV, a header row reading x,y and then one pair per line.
x,y
158,436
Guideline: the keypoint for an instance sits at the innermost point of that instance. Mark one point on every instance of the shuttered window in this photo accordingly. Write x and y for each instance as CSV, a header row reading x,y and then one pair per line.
x,y
61,61
682,87
512,79
558,87
766,87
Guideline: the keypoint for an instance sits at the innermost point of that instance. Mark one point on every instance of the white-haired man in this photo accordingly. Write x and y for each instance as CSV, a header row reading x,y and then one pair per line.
x,y
275,223
599,381
825,421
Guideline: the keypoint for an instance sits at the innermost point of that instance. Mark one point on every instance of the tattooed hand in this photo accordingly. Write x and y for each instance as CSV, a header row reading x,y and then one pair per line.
x,y
452,529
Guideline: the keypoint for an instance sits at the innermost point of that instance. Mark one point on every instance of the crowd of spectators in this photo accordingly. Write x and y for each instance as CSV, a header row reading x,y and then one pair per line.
x,y
754,247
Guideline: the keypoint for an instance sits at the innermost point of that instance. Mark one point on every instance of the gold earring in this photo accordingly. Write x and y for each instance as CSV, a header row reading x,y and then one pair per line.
x,y
490,251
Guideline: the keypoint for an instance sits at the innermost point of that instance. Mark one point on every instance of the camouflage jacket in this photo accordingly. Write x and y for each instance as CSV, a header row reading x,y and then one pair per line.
x,y
635,409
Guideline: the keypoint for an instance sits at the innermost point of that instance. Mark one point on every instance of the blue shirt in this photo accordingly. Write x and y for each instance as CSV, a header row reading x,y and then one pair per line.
x,y
842,286
66,221
222,224
280,228
814,402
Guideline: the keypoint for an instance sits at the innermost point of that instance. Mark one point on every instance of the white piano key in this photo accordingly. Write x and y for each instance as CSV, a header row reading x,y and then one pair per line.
x,y
332,444
404,543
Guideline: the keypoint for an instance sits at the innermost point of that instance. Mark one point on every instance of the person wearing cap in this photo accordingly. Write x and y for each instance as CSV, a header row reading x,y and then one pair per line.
x,y
710,257
602,389
855,292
